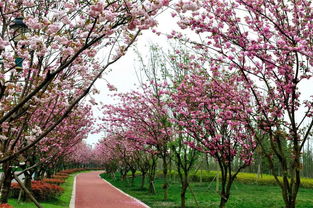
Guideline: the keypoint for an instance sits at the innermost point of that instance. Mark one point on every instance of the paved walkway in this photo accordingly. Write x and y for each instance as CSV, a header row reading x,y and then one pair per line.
x,y
94,192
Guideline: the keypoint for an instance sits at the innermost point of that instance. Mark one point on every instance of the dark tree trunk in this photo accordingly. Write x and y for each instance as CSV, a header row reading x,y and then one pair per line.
x,y
6,183
289,191
143,177
151,182
133,176
165,184
28,185
152,176
37,175
227,181
290,168
123,175
183,193
225,193
152,187
223,202
48,173
41,174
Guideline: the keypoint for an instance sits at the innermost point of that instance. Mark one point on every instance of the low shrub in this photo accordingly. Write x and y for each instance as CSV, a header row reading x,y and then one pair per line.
x,y
42,191
5,206
62,174
62,177
53,181
251,178
307,182
194,176
69,171
246,178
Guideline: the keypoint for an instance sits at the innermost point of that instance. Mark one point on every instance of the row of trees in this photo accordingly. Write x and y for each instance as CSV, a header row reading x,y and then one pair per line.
x,y
268,43
182,113
239,87
48,65
190,114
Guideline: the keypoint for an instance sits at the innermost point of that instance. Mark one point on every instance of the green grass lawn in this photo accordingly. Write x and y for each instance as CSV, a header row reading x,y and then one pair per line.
x,y
62,202
242,196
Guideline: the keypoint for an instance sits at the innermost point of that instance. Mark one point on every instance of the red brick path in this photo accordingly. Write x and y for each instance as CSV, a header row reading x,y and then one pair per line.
x,y
94,192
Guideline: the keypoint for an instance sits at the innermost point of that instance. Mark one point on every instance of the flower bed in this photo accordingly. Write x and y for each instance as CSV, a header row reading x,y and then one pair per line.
x,y
60,177
246,178
62,174
5,206
42,191
53,181
69,171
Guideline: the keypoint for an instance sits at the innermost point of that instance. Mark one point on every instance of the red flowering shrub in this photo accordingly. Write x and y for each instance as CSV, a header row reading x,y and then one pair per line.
x,y
69,171
62,177
5,206
53,181
62,174
42,191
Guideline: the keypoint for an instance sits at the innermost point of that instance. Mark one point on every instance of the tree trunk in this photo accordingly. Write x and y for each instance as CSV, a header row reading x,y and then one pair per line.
x,y
217,183
152,176
259,172
27,192
290,194
225,193
183,193
143,177
36,174
123,175
224,198
165,184
133,177
151,183
223,202
152,187
6,183
48,173
290,182
28,185
42,174
227,180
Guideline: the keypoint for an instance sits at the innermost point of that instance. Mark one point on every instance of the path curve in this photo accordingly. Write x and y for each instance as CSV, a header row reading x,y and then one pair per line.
x,y
94,192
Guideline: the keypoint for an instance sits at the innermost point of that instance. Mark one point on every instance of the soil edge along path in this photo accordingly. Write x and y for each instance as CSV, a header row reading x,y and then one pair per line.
x,y
94,192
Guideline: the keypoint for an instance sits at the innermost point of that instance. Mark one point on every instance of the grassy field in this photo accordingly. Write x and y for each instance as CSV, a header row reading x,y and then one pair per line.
x,y
62,202
243,195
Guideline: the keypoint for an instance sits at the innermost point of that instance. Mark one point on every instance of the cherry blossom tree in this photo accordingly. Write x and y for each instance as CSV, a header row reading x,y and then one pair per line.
x,y
48,58
115,148
41,157
185,159
68,137
144,118
59,49
105,156
82,154
268,42
170,67
214,112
